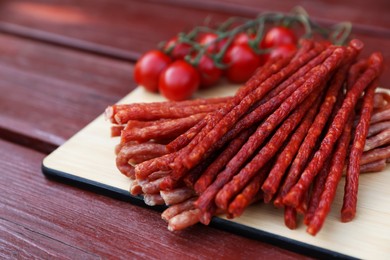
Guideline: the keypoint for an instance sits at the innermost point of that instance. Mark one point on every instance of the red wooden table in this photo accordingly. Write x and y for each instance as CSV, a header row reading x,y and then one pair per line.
x,y
61,63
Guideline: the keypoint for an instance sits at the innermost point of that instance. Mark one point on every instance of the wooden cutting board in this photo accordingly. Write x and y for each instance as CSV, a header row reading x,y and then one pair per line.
x,y
88,157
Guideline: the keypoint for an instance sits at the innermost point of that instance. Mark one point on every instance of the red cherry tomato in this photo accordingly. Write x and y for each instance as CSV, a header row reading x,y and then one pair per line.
x,y
149,67
177,50
207,38
179,81
242,63
208,72
283,51
280,51
277,36
243,38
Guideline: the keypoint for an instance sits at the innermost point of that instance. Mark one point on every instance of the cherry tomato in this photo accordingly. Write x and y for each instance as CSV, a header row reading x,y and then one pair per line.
x,y
283,51
242,63
179,81
280,51
177,50
149,67
243,38
208,72
277,36
207,38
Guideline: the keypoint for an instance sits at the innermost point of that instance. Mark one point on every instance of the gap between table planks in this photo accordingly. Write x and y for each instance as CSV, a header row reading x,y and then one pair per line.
x,y
123,29
60,89
89,157
130,23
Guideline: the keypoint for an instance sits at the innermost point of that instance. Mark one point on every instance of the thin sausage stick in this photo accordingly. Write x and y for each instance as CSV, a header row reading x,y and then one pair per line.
x,y
213,118
263,73
354,72
290,217
125,168
151,187
260,112
147,112
184,103
122,163
284,159
375,166
239,181
157,175
116,130
184,220
334,176
316,192
205,200
380,116
232,117
177,195
272,104
141,124
166,129
190,178
178,208
375,155
111,111
153,199
168,184
307,45
377,140
185,138
307,147
144,169
215,167
295,194
293,174
290,213
195,173
254,117
135,188
378,127
248,194
302,207
131,153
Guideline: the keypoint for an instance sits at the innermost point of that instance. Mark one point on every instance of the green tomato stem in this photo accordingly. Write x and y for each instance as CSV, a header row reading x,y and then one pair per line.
x,y
338,35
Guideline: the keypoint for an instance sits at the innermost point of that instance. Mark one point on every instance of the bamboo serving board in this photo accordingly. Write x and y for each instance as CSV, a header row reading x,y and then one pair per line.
x,y
88,157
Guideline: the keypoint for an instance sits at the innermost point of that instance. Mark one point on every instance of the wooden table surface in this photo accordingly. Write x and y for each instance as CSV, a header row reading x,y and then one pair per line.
x,y
61,63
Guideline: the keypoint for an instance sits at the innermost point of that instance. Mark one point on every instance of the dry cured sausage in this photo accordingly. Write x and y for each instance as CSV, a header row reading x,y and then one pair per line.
x,y
265,154
353,169
231,118
332,180
374,69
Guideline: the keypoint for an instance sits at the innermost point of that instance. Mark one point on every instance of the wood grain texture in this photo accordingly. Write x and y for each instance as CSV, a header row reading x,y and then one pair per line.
x,y
122,28
373,20
44,219
365,237
53,83
52,92
126,29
